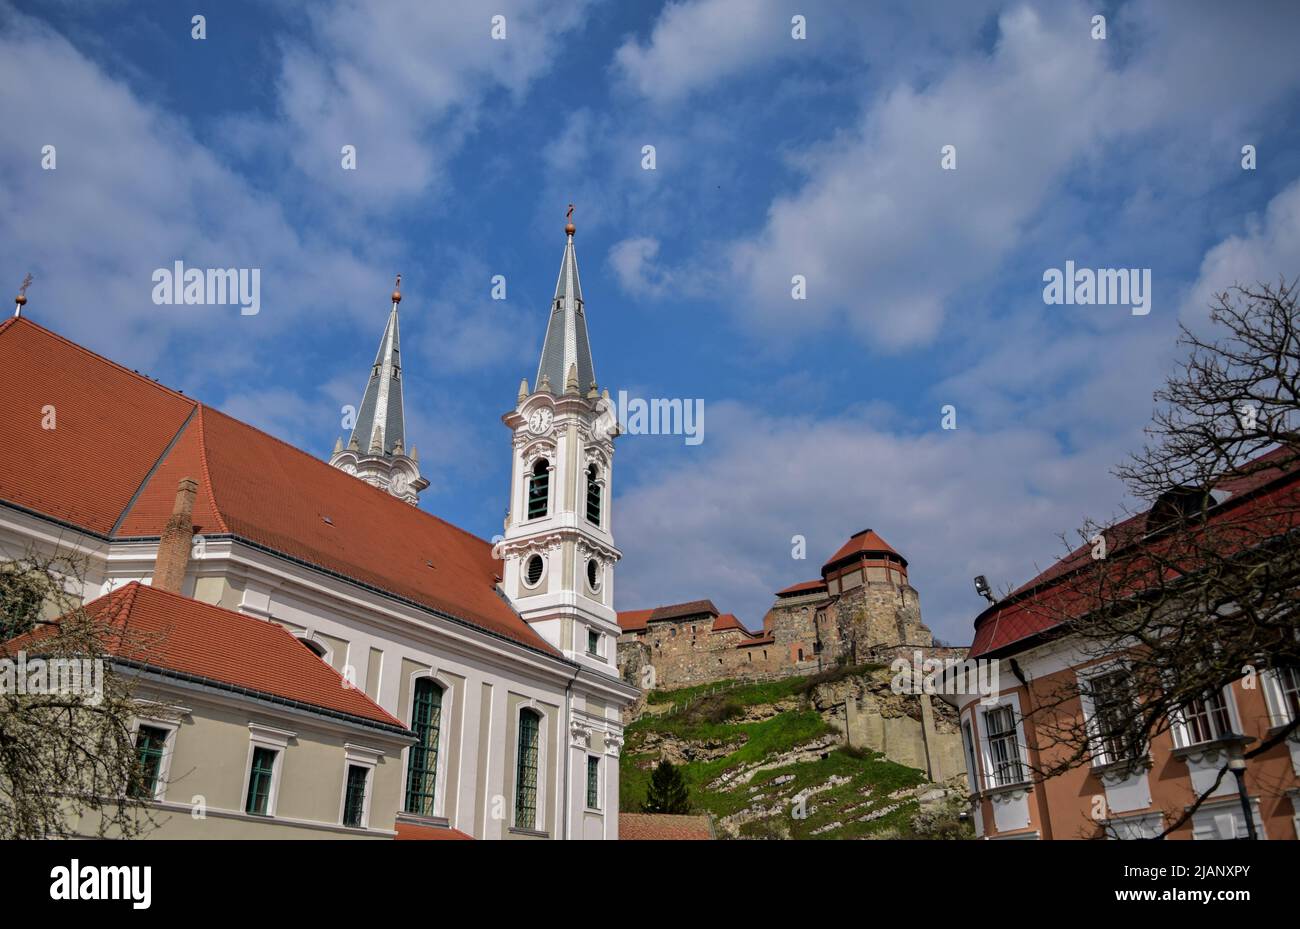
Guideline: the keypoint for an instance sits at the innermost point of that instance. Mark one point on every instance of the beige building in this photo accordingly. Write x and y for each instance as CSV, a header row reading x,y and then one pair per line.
x,y
244,733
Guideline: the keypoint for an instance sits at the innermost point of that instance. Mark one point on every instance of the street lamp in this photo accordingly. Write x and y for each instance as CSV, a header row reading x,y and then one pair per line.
x,y
1237,765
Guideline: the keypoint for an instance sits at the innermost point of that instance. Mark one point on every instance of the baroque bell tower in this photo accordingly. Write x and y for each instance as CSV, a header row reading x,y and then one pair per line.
x,y
376,451
558,549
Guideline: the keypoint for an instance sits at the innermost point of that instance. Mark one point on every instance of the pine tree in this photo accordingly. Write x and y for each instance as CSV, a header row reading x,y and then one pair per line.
x,y
667,791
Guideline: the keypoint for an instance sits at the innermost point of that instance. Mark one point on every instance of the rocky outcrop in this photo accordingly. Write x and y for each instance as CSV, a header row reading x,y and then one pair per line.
x,y
911,729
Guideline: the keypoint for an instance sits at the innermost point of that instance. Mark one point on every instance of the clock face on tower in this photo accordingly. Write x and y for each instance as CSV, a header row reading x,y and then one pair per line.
x,y
540,421
400,483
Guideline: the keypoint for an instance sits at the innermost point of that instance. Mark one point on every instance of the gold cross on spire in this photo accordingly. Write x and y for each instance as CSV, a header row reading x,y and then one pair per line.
x,y
568,226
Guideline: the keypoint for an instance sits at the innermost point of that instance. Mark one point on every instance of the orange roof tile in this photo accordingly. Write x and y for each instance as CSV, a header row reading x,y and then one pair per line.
x,y
413,831
664,826
110,426
633,620
802,587
163,630
682,610
728,621
866,542
123,442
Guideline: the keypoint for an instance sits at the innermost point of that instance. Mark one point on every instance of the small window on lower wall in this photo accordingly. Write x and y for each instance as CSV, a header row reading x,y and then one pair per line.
x,y
593,642
150,743
354,802
593,782
259,782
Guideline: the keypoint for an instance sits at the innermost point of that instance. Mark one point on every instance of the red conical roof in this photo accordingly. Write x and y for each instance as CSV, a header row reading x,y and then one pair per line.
x,y
866,542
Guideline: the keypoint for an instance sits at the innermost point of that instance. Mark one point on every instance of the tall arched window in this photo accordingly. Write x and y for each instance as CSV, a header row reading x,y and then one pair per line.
x,y
526,771
539,488
593,495
422,771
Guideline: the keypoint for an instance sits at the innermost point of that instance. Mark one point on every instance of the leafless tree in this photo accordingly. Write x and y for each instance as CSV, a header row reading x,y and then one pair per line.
x,y
68,759
1196,587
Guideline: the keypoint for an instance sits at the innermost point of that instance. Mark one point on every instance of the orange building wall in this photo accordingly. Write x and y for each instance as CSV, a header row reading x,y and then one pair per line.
x,y
1061,808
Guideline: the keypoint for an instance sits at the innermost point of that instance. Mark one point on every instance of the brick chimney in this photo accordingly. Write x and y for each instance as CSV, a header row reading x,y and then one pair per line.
x,y
177,536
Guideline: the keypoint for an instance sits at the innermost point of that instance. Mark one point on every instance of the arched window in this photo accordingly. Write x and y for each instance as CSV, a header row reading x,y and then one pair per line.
x,y
422,770
593,495
316,648
526,771
539,489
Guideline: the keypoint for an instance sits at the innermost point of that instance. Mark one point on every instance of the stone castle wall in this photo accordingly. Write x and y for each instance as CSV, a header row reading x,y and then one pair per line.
x,y
801,635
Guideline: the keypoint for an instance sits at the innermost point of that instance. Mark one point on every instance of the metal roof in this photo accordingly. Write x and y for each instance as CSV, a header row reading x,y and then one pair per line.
x,y
566,344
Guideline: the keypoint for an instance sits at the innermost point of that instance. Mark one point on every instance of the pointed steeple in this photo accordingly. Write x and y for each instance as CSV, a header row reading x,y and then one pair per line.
x,y
380,427
566,345
376,450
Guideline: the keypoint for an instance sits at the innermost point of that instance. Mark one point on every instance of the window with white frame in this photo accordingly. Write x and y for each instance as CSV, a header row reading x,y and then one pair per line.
x,y
149,779
527,765
1113,703
1206,719
1005,764
593,782
355,795
359,763
422,758
266,750
1282,692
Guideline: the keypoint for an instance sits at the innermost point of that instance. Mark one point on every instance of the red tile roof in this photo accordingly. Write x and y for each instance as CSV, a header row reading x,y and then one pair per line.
x,y
727,621
633,620
159,629
412,831
119,433
681,610
866,542
1262,503
664,826
802,587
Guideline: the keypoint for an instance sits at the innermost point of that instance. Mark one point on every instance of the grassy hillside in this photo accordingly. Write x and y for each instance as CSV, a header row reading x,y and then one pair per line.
x,y
750,752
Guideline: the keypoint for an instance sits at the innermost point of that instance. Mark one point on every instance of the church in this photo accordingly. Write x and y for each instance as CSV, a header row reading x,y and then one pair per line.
x,y
335,662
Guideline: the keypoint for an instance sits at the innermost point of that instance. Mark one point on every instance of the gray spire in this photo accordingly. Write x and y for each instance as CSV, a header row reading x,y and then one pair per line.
x,y
566,342
380,427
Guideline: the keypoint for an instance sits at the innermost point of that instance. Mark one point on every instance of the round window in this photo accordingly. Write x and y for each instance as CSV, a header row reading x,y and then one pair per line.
x,y
533,570
593,574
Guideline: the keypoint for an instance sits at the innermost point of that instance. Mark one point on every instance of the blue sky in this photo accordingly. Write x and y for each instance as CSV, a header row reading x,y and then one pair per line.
x,y
774,157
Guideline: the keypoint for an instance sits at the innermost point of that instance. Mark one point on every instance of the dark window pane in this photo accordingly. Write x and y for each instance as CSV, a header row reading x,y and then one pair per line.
x,y
150,742
526,772
539,486
593,782
426,723
354,804
259,781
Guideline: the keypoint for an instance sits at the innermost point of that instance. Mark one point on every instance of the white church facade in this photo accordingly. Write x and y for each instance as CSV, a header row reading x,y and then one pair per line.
x,y
497,657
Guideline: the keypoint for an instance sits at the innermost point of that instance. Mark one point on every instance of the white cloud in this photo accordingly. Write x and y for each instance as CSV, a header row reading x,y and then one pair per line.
x,y
404,81
956,504
633,263
1267,249
884,237
695,44
134,191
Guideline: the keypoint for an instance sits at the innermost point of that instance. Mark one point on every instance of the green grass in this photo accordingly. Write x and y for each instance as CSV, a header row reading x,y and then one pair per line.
x,y
871,777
